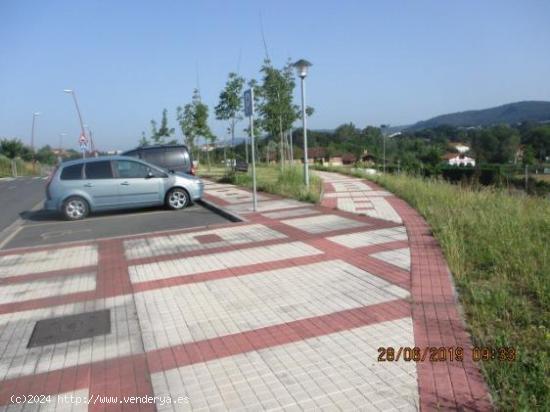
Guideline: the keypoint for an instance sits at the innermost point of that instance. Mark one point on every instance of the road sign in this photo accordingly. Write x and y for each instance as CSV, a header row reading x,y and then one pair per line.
x,y
83,146
83,139
248,103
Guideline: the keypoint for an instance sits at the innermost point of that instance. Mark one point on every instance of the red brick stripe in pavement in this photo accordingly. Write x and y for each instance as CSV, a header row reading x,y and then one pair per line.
x,y
437,322
434,311
289,332
129,375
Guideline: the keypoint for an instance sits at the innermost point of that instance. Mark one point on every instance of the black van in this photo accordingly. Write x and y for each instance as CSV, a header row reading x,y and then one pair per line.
x,y
172,157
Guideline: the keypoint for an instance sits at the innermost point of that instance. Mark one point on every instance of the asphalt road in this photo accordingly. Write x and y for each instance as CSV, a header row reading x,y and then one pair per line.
x,y
45,228
19,195
40,227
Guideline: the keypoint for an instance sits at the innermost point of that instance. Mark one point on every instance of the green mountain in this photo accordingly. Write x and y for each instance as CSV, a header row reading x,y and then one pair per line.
x,y
512,113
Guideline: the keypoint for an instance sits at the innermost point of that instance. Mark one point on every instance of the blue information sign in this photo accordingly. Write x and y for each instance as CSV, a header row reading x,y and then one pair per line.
x,y
248,103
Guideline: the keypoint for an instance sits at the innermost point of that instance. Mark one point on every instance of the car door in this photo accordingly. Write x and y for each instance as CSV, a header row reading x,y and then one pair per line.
x,y
99,184
138,183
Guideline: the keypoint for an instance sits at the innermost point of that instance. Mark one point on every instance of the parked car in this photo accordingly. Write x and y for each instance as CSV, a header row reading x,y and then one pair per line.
x,y
170,157
79,187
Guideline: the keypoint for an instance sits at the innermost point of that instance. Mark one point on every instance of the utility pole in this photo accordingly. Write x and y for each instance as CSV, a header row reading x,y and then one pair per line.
x,y
83,132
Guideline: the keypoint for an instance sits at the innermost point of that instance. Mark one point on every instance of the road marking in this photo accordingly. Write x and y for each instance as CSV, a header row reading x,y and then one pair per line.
x,y
100,218
61,233
9,233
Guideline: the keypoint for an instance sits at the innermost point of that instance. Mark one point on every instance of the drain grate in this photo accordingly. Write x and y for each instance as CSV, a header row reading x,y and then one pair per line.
x,y
71,327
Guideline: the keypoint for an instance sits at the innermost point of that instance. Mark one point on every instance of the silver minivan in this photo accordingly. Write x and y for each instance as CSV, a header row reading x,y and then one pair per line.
x,y
79,187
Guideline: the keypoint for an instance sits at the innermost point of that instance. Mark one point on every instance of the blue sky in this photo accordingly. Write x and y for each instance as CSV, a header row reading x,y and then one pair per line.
x,y
374,62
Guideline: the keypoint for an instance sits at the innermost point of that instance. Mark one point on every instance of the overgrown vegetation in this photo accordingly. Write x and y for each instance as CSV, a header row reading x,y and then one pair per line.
x,y
18,157
288,182
22,167
498,249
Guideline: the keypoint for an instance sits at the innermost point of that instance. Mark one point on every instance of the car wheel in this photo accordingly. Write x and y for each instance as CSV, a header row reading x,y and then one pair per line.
x,y
177,198
75,208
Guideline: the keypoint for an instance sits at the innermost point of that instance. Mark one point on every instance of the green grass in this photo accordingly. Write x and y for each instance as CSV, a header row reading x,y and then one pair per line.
x,y
23,168
498,249
270,179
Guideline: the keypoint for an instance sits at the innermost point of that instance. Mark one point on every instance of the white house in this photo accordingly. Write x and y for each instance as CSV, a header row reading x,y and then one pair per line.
x,y
460,160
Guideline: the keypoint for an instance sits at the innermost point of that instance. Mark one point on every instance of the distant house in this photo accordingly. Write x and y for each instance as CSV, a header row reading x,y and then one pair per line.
x,y
348,158
459,159
208,147
316,154
335,161
366,157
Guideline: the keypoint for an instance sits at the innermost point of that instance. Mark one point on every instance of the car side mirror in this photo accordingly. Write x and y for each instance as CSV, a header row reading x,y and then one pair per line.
x,y
149,175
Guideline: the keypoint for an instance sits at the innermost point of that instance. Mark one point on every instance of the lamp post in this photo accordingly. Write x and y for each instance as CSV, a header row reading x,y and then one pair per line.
x,y
383,128
301,69
61,135
72,93
32,129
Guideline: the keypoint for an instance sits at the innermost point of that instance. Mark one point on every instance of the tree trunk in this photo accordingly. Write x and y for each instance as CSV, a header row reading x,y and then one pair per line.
x,y
233,161
291,146
282,148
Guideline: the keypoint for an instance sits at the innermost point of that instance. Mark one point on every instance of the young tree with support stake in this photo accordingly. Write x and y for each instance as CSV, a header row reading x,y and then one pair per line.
x,y
193,120
159,136
186,121
230,104
276,108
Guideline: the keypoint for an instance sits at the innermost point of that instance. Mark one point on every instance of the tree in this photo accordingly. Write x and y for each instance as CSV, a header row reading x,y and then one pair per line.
x,y
46,155
186,121
158,136
253,84
496,144
193,121
538,137
230,103
12,148
276,107
144,141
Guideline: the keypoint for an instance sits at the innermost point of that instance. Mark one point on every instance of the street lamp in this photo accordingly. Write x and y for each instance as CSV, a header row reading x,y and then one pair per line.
x,y
32,129
302,67
61,135
72,93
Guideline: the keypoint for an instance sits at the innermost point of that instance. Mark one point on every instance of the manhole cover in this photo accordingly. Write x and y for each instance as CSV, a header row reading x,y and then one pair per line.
x,y
72,327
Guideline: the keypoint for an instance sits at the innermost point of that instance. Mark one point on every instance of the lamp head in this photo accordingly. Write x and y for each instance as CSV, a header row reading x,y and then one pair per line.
x,y
302,67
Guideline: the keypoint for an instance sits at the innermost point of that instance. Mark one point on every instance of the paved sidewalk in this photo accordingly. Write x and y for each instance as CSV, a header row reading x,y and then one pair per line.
x,y
286,310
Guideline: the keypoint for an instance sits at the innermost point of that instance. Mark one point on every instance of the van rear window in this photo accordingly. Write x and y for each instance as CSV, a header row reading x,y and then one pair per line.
x,y
73,172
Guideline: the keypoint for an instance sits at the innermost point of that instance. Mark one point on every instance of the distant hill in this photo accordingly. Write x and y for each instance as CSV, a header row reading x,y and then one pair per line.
x,y
536,111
